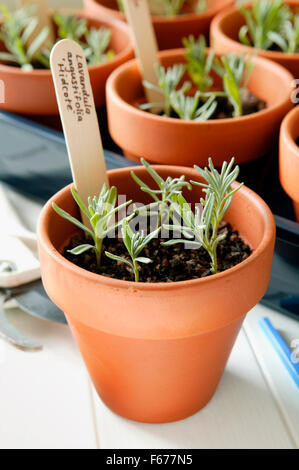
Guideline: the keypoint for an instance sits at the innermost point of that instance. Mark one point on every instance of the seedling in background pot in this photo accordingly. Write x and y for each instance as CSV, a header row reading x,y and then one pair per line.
x,y
235,71
168,81
200,105
288,39
268,23
199,62
169,7
188,108
18,27
15,31
93,41
101,213
202,226
43,22
135,242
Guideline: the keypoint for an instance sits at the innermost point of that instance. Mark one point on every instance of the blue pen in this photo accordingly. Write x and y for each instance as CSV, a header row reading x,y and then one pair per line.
x,y
281,348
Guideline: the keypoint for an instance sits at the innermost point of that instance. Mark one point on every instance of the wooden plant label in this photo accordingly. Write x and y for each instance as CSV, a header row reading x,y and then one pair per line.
x,y
43,20
146,49
79,118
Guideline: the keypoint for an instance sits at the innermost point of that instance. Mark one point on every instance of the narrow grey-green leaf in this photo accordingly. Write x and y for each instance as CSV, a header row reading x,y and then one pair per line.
x,y
118,258
71,219
81,249
143,260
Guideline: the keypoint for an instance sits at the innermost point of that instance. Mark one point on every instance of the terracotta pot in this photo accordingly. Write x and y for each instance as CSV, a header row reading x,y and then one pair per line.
x,y
178,142
33,92
224,34
169,31
289,157
156,352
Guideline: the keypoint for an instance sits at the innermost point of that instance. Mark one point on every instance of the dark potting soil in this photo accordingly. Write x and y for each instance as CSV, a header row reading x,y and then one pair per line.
x,y
169,264
250,104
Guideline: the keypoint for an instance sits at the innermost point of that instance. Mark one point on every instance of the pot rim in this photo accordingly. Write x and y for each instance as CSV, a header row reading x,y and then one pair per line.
x,y
11,70
270,55
112,94
293,115
183,18
43,238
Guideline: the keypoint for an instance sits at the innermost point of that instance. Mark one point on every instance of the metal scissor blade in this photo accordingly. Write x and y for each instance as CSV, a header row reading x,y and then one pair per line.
x,y
34,300
9,333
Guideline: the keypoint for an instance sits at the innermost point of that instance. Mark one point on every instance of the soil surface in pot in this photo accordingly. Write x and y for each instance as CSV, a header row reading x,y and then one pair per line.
x,y
169,264
250,103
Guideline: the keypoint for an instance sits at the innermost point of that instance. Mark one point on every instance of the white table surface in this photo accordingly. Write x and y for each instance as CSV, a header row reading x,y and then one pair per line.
x,y
47,400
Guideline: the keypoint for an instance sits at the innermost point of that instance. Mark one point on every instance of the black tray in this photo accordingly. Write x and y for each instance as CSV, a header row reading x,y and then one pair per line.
x,y
33,160
33,157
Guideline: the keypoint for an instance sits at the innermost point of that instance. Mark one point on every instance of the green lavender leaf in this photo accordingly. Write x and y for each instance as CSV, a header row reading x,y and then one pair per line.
x,y
81,249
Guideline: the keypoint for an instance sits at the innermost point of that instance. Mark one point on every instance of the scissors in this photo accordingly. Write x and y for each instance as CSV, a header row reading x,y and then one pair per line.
x,y
20,278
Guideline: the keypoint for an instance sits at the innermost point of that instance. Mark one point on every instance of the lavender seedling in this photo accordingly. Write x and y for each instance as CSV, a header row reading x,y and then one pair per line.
x,y
265,17
168,7
93,41
163,196
203,226
69,27
174,7
97,41
235,72
288,39
18,26
100,212
201,6
135,243
168,81
199,62
15,30
187,107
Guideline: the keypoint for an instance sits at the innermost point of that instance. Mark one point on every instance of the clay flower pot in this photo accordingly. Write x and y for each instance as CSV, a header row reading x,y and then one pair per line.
x,y
224,34
178,142
289,157
33,92
156,352
169,31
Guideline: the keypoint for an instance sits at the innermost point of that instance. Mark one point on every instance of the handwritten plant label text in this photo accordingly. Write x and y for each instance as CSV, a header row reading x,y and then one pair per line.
x,y
72,76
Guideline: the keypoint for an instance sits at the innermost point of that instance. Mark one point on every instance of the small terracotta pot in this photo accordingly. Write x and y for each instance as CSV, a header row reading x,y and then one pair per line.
x,y
178,142
169,31
289,157
156,352
224,34
33,92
